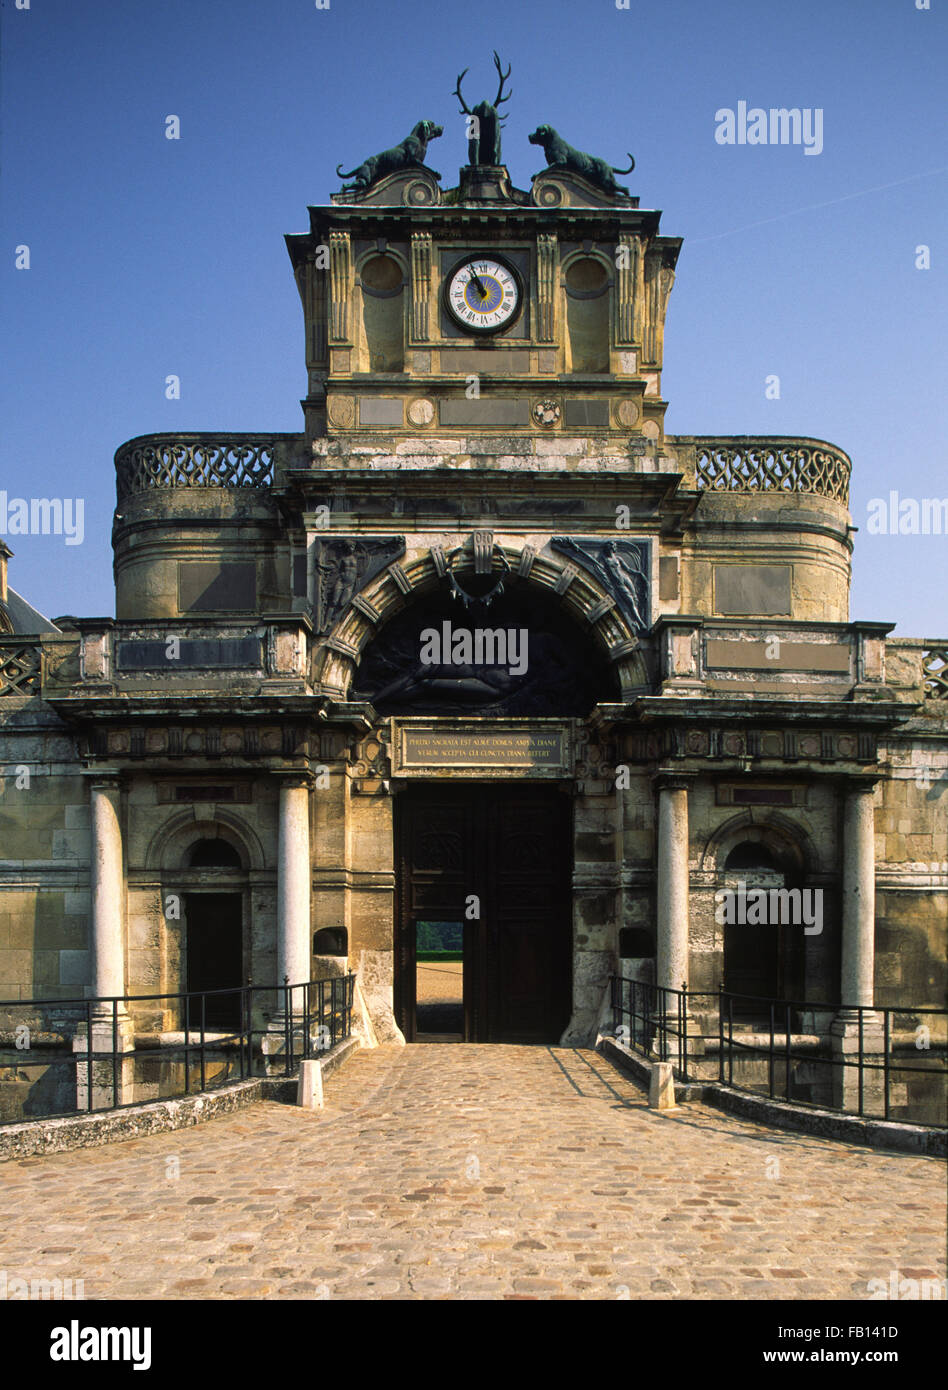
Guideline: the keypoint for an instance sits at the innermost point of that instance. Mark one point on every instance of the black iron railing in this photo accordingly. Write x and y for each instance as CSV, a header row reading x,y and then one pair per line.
x,y
224,1036
763,1045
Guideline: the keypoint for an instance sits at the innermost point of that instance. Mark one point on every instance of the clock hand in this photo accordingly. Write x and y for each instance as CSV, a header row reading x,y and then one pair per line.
x,y
478,282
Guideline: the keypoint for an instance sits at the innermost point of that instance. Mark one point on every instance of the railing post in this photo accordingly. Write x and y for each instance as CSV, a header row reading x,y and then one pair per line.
x,y
89,1055
682,1039
187,1044
242,1001
789,1053
203,1042
721,1034
770,1058
885,1058
861,1064
287,1028
115,1054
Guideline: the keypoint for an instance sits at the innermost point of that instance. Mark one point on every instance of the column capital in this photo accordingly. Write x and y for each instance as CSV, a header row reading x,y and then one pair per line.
x,y
107,777
861,782
293,778
673,781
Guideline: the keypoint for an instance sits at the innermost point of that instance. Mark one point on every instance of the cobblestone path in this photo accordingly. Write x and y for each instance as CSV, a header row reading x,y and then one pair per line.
x,y
452,1171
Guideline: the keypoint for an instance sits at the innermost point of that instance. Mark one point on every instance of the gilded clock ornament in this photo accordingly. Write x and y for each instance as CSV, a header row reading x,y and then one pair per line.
x,y
483,294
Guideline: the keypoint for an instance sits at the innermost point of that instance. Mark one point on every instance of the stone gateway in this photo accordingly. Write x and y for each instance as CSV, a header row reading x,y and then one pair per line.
x,y
507,678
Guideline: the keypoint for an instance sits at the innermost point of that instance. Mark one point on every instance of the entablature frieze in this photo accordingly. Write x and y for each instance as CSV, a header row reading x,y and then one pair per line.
x,y
231,740
730,748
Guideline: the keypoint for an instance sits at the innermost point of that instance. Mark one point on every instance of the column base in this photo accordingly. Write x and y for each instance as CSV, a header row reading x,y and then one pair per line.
x,y
273,1044
693,1045
110,1084
844,1042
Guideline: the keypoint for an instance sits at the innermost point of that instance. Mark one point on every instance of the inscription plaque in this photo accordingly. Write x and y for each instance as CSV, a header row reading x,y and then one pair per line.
x,y
537,749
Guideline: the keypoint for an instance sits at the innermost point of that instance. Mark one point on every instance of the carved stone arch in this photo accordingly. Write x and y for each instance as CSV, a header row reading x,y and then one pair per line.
x,y
787,841
401,584
169,846
593,254
370,254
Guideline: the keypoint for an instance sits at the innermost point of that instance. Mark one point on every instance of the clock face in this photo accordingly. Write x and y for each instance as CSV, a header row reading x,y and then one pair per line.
x,y
483,295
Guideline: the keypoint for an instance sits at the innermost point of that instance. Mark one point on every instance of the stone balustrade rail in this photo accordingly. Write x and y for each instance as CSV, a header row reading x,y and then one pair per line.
x,y
198,460
21,667
935,672
746,463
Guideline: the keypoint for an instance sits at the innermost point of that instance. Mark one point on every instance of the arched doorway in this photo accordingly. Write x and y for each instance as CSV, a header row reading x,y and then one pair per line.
x,y
763,945
483,922
214,934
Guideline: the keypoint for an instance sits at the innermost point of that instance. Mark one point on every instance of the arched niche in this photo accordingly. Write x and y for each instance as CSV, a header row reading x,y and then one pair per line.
x,y
783,841
382,277
763,953
587,280
213,853
172,846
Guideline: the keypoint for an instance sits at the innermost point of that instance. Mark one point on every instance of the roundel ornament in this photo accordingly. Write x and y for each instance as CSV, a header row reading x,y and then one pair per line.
x,y
483,295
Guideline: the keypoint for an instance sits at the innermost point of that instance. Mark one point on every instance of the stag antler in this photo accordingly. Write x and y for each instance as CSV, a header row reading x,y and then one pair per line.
x,y
457,92
503,78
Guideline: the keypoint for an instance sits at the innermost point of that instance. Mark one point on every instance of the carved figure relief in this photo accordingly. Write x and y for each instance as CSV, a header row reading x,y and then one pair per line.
x,y
343,567
620,566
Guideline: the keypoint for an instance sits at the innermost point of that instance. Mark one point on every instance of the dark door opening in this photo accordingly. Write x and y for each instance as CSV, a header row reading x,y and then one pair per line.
x,y
214,948
490,863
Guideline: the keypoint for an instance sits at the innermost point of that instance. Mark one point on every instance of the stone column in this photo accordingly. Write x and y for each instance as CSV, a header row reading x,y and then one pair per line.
x,y
672,889
856,990
294,881
107,892
111,1027
858,897
672,885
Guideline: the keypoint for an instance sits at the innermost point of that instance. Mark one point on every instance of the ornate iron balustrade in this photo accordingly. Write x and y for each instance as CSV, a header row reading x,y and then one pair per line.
x,y
746,464
935,673
21,668
200,460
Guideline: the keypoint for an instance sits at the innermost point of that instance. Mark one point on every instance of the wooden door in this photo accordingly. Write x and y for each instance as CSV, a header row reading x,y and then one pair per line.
x,y
497,857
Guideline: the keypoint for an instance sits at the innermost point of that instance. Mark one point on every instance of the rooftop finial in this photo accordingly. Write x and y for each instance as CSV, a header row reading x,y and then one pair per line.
x,y
484,121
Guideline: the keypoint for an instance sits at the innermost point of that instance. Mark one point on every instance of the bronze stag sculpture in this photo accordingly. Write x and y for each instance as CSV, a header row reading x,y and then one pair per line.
x,y
483,146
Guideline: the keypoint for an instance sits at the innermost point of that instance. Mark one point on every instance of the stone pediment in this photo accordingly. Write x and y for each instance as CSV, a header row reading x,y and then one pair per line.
x,y
561,188
412,188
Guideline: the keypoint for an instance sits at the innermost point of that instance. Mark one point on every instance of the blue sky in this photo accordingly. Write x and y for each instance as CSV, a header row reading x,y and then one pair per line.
x,y
151,256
